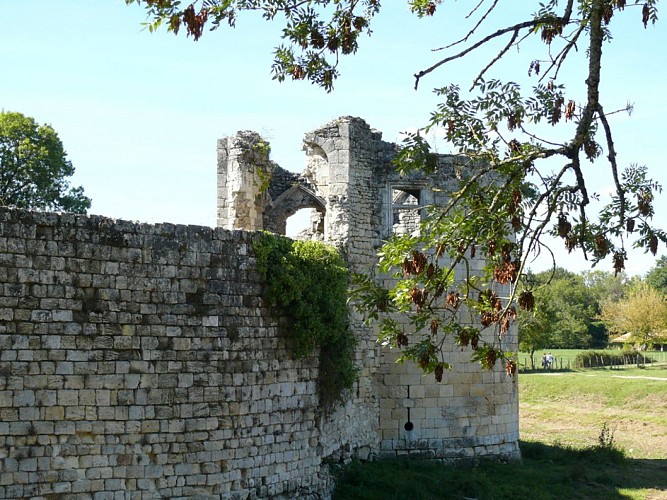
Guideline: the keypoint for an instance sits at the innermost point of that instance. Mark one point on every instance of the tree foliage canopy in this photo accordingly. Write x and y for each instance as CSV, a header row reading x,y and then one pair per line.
x,y
34,167
529,181
657,276
642,314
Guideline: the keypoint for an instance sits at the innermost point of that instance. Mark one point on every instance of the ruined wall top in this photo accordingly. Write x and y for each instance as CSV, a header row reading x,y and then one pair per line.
x,y
348,171
358,199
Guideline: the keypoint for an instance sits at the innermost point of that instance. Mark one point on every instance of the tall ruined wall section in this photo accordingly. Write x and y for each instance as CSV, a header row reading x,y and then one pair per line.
x,y
473,412
350,179
140,358
342,159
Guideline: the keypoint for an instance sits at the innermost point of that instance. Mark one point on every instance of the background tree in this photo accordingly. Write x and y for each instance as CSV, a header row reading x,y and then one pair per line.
x,y
572,311
34,167
642,314
519,181
565,315
657,276
534,331
603,286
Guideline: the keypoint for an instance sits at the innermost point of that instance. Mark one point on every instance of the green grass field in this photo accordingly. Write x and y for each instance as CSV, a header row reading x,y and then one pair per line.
x,y
563,415
570,408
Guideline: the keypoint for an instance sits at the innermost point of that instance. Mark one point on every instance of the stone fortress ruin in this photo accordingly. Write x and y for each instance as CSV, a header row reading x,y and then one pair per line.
x,y
140,361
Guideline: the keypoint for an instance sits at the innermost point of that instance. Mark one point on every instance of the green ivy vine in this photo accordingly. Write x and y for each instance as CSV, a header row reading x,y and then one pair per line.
x,y
308,281
259,152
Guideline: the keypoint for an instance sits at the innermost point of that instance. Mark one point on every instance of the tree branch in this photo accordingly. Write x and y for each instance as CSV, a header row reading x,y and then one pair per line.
x,y
495,59
612,160
593,80
472,31
483,41
565,19
562,55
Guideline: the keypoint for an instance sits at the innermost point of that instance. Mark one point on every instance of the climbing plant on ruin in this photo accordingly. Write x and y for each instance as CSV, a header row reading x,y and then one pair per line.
x,y
531,150
307,281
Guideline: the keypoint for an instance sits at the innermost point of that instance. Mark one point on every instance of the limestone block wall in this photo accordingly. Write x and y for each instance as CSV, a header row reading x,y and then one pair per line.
x,y
240,183
473,412
138,360
352,181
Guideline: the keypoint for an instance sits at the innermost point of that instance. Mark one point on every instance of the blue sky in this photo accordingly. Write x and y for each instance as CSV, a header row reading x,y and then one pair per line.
x,y
139,113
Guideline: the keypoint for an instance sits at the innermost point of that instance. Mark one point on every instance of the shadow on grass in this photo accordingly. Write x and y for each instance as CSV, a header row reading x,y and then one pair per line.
x,y
547,472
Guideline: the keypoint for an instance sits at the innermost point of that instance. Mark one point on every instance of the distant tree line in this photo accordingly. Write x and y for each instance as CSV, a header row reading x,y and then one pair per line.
x,y
587,310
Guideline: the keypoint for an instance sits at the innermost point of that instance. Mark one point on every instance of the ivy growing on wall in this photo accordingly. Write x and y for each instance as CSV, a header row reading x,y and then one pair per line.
x,y
308,281
258,154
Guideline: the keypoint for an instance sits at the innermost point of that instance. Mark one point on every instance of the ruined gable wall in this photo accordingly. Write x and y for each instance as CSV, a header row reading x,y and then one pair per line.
x,y
473,412
141,358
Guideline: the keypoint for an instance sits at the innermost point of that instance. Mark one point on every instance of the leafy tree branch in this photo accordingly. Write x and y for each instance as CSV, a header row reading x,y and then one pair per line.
x,y
523,166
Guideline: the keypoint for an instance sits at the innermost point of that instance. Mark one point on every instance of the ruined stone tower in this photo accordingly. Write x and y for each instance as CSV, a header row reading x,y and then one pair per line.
x,y
357,200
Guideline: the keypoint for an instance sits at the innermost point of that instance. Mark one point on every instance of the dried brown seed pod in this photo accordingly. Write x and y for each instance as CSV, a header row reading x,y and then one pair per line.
x,y
527,300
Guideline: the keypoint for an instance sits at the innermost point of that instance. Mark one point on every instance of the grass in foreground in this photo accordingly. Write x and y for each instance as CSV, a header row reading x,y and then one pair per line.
x,y
561,417
547,472
570,409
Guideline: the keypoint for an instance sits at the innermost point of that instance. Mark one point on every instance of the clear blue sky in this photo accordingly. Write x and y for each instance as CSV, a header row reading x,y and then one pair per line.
x,y
139,113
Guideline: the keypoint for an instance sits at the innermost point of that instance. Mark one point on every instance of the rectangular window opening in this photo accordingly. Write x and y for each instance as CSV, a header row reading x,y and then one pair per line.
x,y
406,210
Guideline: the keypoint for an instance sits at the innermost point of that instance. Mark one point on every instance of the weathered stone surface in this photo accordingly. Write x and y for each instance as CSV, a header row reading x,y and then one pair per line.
x,y
139,361
132,393
360,200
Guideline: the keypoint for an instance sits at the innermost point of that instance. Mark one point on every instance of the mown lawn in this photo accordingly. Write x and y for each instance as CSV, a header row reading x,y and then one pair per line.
x,y
570,408
563,415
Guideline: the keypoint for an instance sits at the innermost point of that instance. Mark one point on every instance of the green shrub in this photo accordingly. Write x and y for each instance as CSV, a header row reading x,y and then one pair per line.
x,y
308,282
594,359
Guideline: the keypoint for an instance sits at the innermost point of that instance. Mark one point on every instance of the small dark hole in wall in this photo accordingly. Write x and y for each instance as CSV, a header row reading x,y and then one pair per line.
x,y
409,426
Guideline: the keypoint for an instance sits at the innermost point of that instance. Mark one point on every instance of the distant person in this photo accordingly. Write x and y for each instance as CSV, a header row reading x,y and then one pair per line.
x,y
544,361
550,361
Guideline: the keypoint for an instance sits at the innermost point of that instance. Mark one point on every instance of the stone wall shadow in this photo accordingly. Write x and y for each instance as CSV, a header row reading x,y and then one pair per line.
x,y
607,467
